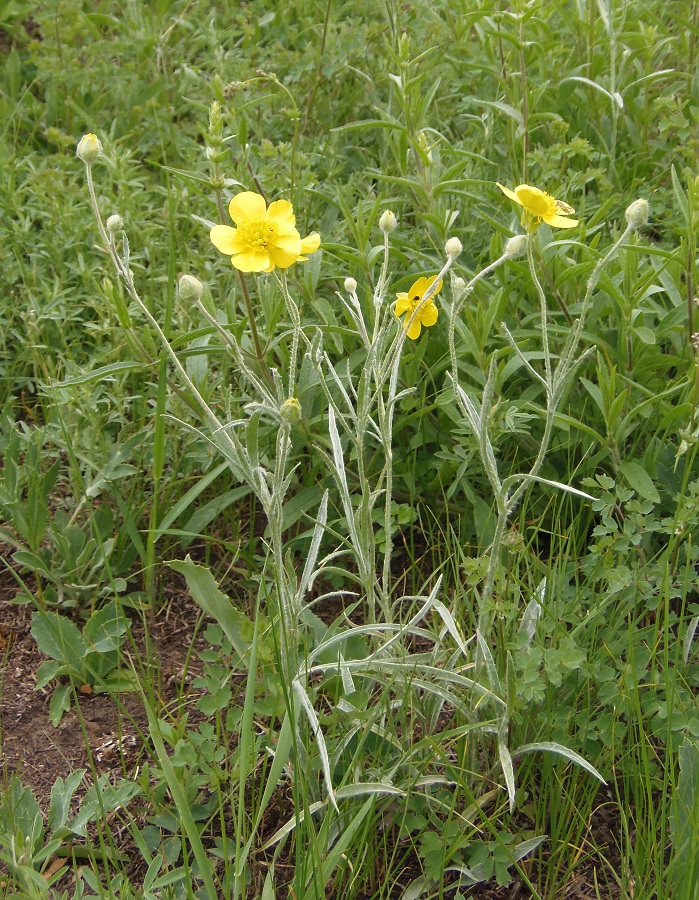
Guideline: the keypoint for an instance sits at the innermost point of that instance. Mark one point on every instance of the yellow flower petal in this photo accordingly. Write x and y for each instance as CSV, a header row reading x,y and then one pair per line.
x,y
414,331
403,304
535,201
421,286
560,221
508,193
251,260
247,207
418,288
285,253
310,243
282,212
223,239
290,243
428,314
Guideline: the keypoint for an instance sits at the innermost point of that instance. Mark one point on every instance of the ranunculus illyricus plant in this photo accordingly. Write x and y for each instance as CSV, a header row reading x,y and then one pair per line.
x,y
538,207
89,149
412,300
265,237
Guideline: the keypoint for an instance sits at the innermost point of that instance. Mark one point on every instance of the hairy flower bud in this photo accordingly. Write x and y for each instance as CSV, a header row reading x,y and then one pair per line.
x,y
388,222
115,223
516,245
89,149
458,286
424,145
190,288
453,248
637,213
291,411
350,285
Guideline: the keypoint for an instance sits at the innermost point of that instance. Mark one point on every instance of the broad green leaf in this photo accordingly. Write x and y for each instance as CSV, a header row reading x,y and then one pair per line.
x,y
105,629
102,797
59,638
61,797
47,671
60,704
640,480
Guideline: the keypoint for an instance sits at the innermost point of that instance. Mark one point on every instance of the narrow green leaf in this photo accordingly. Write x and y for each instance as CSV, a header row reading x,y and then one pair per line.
x,y
204,590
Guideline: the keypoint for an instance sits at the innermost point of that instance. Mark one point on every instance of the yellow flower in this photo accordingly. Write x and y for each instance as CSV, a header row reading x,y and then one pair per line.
x,y
265,237
409,302
540,207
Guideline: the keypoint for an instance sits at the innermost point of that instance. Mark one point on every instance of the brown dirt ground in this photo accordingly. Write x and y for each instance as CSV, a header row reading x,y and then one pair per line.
x,y
113,735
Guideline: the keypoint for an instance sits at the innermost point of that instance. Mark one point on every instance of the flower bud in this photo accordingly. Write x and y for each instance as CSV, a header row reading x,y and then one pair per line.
x,y
516,245
458,286
89,149
453,247
350,285
190,288
115,223
424,145
388,222
291,411
215,119
637,213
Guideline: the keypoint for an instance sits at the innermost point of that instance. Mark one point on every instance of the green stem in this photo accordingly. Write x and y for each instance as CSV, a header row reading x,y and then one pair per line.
x,y
259,352
543,312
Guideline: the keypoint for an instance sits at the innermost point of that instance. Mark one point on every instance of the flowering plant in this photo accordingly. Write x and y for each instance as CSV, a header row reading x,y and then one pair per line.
x,y
419,306
538,206
265,237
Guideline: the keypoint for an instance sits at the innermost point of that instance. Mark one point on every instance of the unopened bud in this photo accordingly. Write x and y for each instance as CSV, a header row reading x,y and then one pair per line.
x,y
291,411
637,213
424,145
516,245
350,285
190,288
115,223
453,247
215,118
388,222
89,149
458,286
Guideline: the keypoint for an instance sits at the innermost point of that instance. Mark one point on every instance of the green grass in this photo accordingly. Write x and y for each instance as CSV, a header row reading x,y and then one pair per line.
x,y
364,753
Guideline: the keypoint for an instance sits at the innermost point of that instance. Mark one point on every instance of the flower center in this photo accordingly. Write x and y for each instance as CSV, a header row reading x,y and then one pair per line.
x,y
415,303
539,205
259,235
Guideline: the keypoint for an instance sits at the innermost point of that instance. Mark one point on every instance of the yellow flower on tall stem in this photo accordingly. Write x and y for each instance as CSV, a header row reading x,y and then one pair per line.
x,y
265,236
411,300
538,207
